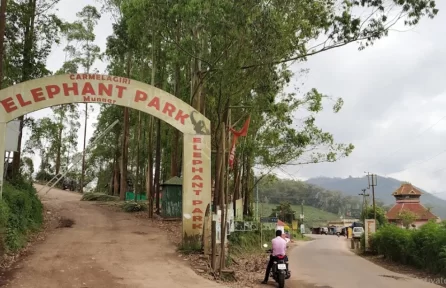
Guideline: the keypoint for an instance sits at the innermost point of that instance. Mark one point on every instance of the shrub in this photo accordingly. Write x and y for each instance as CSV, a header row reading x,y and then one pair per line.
x,y
134,207
20,214
250,241
429,242
424,248
98,197
394,243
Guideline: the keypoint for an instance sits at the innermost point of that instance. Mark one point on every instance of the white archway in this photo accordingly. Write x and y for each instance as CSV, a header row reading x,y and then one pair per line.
x,y
33,95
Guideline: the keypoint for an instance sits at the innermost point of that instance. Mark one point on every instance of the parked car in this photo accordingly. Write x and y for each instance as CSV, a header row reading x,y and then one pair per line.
x,y
357,232
324,230
69,184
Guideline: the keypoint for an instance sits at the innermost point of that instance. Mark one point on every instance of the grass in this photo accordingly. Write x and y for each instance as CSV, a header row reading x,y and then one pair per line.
x,y
131,207
98,197
311,214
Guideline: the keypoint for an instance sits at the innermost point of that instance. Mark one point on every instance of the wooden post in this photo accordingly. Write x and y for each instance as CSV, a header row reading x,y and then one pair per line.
x,y
219,164
222,197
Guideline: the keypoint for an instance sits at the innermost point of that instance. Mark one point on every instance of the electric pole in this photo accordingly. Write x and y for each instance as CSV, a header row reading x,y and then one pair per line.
x,y
373,181
302,218
364,204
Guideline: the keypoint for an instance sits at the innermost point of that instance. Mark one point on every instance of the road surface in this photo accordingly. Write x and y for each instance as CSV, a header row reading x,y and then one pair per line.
x,y
102,249
327,262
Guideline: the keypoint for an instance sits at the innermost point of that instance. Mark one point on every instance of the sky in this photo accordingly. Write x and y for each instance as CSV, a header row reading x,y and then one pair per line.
x,y
394,102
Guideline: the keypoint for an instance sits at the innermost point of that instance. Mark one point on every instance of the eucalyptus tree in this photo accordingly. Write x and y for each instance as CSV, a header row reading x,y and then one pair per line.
x,y
32,27
217,55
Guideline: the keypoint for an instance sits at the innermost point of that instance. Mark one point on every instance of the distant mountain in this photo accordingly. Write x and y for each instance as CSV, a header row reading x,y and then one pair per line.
x,y
383,191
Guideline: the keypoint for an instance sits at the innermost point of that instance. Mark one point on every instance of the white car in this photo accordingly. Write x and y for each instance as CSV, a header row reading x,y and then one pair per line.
x,y
357,232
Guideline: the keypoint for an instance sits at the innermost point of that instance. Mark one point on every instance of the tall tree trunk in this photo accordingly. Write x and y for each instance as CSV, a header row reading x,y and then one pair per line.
x,y
176,134
149,175
125,141
157,165
26,73
196,87
116,175
248,190
137,186
59,149
124,155
84,146
3,6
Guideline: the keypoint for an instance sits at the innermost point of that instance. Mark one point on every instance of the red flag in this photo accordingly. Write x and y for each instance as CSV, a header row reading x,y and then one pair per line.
x,y
235,135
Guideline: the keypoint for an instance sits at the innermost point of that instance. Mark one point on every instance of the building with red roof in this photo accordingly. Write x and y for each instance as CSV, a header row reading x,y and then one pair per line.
x,y
408,199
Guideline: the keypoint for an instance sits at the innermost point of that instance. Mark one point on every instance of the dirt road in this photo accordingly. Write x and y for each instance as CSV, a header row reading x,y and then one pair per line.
x,y
327,262
102,249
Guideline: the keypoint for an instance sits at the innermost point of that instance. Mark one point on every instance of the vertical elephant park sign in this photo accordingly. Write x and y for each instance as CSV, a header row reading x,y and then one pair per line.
x,y
33,95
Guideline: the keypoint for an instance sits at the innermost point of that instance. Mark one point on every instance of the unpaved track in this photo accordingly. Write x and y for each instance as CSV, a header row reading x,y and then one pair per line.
x,y
102,249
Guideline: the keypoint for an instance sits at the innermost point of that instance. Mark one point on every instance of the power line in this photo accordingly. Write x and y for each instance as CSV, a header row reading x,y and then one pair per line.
x,y
411,138
292,177
424,161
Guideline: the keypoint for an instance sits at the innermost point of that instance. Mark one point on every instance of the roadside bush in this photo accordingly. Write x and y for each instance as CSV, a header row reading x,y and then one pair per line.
x,y
250,241
134,207
98,197
429,242
424,248
395,243
20,214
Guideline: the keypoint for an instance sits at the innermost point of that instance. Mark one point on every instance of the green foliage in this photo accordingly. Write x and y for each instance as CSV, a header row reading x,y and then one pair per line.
x,y
284,211
424,248
313,216
351,186
369,213
98,197
201,50
20,214
134,207
394,243
32,29
80,36
250,241
296,192
407,217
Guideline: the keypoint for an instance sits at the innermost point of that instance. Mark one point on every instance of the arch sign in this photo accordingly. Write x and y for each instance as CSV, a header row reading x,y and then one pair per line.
x,y
33,95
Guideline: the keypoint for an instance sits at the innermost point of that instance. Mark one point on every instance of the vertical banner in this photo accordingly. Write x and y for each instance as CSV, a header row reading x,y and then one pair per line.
x,y
294,225
369,229
2,154
239,209
235,135
196,186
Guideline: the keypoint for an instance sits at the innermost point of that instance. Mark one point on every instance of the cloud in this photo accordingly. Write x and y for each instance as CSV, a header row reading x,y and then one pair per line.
x,y
393,91
67,11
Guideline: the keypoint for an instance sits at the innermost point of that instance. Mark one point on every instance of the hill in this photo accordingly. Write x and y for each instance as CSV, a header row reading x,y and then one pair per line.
x,y
383,191
275,191
312,215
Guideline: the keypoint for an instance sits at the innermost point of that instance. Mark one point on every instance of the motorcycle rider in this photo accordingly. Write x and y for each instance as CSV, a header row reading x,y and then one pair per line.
x,y
279,245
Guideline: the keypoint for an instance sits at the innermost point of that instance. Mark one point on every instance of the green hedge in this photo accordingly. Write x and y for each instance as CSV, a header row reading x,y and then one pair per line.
x,y
424,248
250,241
20,214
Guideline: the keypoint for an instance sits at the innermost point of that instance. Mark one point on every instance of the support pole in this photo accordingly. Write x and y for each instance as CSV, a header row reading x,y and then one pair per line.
x,y
78,160
2,155
374,204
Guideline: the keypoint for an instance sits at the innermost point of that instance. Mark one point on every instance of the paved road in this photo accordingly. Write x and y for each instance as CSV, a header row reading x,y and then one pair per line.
x,y
327,262
104,249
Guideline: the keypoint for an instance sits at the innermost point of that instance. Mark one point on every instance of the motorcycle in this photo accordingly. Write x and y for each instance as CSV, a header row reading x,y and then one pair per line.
x,y
279,271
